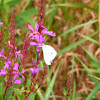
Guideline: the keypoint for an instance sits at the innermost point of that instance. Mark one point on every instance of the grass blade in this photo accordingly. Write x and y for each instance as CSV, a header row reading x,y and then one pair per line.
x,y
73,45
94,62
73,5
39,93
74,90
90,39
52,15
50,87
88,71
94,91
77,27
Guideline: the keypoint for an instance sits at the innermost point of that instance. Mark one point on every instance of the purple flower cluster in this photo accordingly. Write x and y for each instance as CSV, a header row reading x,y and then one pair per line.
x,y
38,36
13,67
16,71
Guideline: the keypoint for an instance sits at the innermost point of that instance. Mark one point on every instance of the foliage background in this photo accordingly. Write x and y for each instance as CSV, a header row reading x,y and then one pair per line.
x,y
77,43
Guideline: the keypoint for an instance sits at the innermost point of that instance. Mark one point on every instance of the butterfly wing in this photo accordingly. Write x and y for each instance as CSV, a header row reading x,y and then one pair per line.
x,y
49,54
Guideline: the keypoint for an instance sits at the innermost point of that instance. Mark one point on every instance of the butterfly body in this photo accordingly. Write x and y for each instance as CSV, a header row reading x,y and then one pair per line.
x,y
49,54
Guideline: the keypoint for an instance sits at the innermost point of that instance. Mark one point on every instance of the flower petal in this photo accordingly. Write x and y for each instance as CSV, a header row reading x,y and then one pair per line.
x,y
38,48
23,77
41,39
7,64
17,53
36,27
16,65
3,72
43,27
51,33
34,70
30,27
15,76
31,34
1,53
1,23
23,71
33,43
17,81
44,31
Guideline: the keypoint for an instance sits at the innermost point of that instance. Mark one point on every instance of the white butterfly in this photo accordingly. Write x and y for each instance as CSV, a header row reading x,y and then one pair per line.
x,y
49,54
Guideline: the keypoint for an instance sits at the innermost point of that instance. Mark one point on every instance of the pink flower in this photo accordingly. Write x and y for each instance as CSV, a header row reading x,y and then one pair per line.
x,y
35,33
1,23
17,81
3,72
16,65
44,32
17,73
39,45
18,53
7,64
1,53
39,36
34,70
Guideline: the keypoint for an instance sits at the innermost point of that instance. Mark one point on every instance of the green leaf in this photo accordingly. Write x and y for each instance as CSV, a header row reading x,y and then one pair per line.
x,y
27,13
93,92
25,16
18,90
25,6
8,95
65,92
19,96
14,3
1,97
20,68
7,1
50,87
28,84
1,89
1,79
74,5
31,96
51,18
